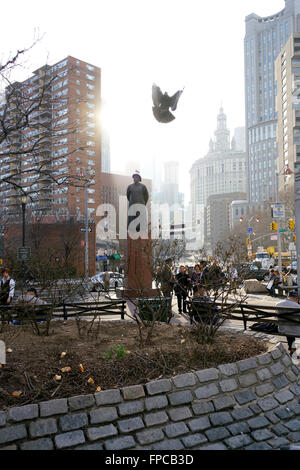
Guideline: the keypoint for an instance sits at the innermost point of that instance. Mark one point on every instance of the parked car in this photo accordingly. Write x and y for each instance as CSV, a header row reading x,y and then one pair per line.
x,y
251,271
115,280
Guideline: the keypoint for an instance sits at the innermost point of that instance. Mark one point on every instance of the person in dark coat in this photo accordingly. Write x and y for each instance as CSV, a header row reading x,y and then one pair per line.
x,y
7,288
214,277
204,268
167,283
182,282
196,278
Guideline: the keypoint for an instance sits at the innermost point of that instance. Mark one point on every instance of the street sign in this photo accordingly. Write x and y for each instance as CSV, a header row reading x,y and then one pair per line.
x,y
292,247
282,230
250,230
273,237
24,253
83,229
278,211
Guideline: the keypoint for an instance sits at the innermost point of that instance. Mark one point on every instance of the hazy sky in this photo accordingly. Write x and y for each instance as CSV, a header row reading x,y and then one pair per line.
x,y
174,43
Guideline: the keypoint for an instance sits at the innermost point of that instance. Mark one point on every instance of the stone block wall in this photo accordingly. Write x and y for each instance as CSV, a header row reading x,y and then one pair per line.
x,y
250,404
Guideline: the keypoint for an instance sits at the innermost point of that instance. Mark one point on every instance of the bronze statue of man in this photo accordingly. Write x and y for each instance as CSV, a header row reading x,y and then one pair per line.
x,y
137,193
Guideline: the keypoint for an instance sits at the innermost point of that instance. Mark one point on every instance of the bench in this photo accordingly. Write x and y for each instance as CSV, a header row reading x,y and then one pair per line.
x,y
283,288
62,310
282,316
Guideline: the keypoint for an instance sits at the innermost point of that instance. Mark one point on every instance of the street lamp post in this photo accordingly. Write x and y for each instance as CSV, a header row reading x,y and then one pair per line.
x,y
23,201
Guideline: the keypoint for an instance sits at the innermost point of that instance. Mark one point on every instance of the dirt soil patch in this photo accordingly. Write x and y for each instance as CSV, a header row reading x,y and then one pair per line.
x,y
35,360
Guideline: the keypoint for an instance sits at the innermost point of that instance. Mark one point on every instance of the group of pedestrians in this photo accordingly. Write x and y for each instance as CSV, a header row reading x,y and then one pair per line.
x,y
188,282
286,277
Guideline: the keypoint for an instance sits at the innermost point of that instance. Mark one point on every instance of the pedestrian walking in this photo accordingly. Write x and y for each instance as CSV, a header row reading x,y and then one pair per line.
x,y
196,278
7,290
182,282
273,281
213,277
189,272
167,283
232,277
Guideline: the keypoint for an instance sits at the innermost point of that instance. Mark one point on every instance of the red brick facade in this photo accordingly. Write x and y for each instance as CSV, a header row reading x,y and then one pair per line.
x,y
56,242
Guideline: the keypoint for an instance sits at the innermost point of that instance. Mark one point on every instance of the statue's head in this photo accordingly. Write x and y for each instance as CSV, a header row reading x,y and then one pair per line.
x,y
136,177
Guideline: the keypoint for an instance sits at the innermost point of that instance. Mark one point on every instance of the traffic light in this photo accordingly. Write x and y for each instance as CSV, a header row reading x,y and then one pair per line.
x,y
292,224
247,241
274,226
295,238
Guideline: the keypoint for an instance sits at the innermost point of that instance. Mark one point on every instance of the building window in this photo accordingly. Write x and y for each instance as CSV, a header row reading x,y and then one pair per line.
x,y
90,77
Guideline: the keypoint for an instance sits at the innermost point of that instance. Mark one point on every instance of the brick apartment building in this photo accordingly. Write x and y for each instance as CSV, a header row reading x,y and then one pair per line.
x,y
50,144
61,141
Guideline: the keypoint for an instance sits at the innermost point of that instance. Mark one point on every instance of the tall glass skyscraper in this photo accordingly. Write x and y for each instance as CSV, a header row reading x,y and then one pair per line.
x,y
265,37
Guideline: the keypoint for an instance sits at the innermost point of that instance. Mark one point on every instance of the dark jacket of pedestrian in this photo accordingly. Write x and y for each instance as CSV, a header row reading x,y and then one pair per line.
x,y
166,280
182,283
7,288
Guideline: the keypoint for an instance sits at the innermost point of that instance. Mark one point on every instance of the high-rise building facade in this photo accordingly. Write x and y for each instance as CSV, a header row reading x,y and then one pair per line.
x,y
288,107
265,37
52,142
221,171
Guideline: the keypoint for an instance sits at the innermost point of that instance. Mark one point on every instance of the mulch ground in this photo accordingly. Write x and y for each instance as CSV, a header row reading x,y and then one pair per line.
x,y
35,360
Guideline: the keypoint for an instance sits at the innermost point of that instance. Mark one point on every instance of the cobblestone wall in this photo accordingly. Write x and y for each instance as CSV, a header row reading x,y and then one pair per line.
x,y
250,404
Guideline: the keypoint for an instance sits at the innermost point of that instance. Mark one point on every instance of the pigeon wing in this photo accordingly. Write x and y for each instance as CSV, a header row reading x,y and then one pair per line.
x,y
156,95
174,100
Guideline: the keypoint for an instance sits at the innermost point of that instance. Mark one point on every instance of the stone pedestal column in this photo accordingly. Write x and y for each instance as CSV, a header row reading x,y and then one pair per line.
x,y
138,271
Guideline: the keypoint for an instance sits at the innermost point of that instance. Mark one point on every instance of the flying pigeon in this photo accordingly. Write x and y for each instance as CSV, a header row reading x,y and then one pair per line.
x,y
162,103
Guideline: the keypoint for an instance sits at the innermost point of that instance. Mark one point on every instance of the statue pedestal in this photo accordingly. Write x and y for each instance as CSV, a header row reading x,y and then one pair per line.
x,y
138,276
